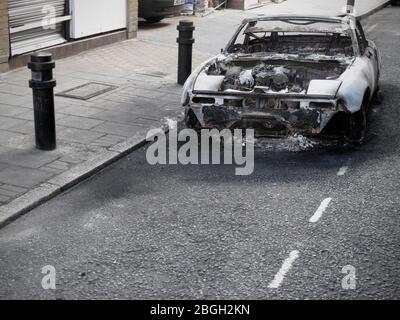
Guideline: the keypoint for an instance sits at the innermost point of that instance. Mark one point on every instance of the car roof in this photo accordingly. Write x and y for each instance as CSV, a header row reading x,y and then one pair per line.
x,y
304,23
316,18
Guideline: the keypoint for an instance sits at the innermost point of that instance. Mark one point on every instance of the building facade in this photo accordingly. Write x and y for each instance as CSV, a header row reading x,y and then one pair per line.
x,y
63,27
245,4
4,36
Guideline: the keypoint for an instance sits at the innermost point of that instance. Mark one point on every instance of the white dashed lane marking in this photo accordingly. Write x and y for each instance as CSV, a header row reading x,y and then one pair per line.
x,y
286,266
371,28
342,171
320,211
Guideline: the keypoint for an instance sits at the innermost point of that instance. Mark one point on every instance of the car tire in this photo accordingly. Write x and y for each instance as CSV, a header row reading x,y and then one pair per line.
x,y
395,2
377,97
191,121
358,124
154,19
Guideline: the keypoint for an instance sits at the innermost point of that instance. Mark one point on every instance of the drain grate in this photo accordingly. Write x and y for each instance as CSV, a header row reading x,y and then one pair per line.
x,y
87,91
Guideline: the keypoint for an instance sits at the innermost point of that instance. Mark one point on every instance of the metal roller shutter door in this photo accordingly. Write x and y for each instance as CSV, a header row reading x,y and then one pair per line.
x,y
26,31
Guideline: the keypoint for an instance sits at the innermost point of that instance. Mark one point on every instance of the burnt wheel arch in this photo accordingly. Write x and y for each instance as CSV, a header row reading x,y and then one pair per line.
x,y
358,121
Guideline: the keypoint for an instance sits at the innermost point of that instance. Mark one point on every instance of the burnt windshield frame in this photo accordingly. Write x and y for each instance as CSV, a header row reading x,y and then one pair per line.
x,y
247,23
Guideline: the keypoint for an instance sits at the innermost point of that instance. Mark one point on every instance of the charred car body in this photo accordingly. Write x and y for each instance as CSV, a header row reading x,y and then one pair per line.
x,y
283,75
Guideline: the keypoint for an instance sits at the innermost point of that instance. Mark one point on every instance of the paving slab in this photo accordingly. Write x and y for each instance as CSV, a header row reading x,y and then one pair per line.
x,y
27,114
80,111
23,177
8,138
15,100
7,122
30,158
27,128
12,188
78,135
79,122
119,129
14,89
9,111
118,116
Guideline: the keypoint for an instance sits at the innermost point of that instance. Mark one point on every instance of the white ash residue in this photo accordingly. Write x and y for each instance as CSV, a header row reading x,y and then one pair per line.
x,y
170,123
293,143
298,143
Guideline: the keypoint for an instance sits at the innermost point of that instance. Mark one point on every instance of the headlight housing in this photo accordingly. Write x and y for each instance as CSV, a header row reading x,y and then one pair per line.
x,y
189,84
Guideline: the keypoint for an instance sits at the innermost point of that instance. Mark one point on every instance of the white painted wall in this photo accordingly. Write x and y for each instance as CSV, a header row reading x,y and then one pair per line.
x,y
90,17
250,3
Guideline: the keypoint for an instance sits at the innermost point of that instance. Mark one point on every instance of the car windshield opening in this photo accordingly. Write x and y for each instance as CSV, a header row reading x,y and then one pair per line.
x,y
294,37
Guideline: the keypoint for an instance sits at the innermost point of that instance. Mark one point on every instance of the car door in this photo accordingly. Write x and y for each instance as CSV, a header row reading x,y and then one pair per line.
x,y
370,55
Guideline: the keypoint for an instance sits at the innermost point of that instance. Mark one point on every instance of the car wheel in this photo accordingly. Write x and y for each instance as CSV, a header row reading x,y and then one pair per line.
x,y
191,121
377,97
154,19
358,124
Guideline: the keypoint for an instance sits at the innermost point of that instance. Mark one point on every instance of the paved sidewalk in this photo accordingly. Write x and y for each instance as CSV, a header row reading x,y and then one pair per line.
x,y
91,132
95,132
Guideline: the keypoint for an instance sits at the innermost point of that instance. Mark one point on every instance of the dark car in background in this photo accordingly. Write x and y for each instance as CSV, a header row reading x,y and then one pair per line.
x,y
156,10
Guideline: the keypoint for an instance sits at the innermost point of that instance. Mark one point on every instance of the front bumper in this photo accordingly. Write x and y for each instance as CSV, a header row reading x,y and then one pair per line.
x,y
270,114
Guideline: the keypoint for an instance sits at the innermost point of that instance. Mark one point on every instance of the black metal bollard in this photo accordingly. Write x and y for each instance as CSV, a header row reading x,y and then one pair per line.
x,y
350,6
185,41
42,85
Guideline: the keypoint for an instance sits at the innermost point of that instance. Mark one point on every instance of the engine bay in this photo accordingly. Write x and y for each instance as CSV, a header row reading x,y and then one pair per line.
x,y
275,75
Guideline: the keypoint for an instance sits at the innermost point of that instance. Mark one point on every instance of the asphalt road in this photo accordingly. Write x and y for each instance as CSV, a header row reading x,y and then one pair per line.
x,y
174,232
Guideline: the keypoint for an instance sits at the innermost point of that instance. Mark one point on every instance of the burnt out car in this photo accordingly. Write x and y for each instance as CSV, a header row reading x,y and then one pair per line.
x,y
283,75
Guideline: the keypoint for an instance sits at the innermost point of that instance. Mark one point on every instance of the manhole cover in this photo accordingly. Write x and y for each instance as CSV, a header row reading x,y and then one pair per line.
x,y
87,91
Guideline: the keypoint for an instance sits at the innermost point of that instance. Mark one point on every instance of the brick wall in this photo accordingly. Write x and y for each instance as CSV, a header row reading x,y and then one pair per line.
x,y
132,18
236,4
4,36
